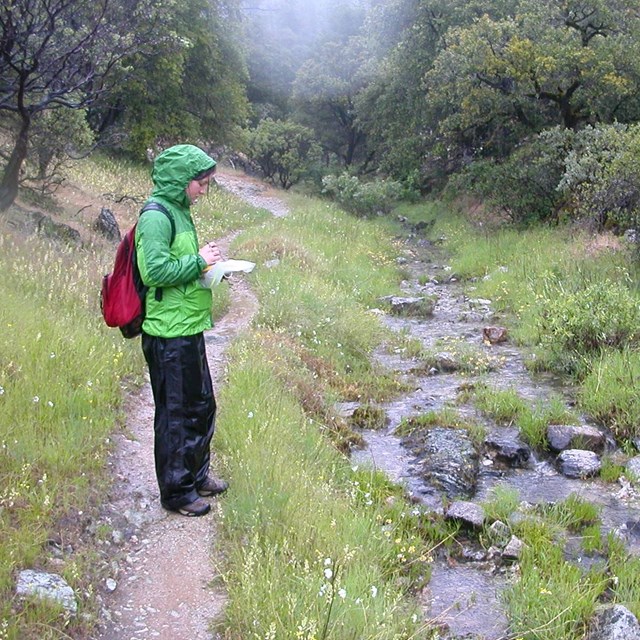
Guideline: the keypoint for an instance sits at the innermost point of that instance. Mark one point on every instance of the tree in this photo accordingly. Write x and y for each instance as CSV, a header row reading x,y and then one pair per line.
x,y
325,91
284,150
548,63
58,54
190,86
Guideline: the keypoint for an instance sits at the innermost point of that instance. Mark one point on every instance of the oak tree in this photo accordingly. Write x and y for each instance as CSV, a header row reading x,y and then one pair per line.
x,y
59,54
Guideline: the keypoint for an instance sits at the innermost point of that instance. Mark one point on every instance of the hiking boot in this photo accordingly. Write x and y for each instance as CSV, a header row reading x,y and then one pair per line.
x,y
213,487
196,508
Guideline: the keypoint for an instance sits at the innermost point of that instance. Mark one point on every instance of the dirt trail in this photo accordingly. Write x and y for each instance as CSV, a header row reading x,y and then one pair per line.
x,y
162,584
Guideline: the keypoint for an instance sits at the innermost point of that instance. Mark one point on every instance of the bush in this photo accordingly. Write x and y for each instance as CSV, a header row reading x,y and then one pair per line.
x,y
527,179
581,323
284,150
363,198
602,176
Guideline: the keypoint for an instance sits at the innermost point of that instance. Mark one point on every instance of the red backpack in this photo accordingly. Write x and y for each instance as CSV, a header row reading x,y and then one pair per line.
x,y
123,293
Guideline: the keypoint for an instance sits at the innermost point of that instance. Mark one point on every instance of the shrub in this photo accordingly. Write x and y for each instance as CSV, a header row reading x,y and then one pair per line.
x,y
363,198
602,175
609,393
284,150
528,179
580,323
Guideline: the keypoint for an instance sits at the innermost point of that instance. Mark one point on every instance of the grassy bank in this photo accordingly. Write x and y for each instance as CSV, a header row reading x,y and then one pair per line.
x,y
63,375
569,297
314,548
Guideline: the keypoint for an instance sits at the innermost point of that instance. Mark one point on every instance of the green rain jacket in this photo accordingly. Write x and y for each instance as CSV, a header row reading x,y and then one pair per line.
x,y
184,308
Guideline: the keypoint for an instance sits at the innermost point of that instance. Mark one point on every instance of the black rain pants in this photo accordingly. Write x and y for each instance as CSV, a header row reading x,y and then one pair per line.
x,y
184,415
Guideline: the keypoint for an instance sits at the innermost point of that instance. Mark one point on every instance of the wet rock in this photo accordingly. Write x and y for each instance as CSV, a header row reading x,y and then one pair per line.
x,y
507,448
494,335
445,363
474,317
468,513
423,225
117,537
578,463
107,225
47,586
369,416
414,307
514,548
561,437
614,622
633,468
479,303
500,532
447,458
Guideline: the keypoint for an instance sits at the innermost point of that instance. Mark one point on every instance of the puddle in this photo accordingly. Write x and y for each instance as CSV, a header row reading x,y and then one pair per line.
x,y
464,600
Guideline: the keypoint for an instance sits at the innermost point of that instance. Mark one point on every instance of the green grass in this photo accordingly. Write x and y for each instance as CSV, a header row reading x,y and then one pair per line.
x,y
61,381
507,407
305,548
609,392
63,378
313,547
316,550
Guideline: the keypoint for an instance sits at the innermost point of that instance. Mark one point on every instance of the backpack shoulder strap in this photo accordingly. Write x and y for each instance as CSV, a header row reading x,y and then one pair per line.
x,y
156,206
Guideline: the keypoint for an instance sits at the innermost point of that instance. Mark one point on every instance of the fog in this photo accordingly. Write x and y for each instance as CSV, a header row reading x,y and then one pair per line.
x,y
281,35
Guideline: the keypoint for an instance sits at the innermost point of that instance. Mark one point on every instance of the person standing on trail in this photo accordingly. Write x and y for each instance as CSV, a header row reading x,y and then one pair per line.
x,y
178,311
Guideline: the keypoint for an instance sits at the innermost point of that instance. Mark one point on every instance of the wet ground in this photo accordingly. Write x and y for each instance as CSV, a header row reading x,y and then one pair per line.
x,y
465,598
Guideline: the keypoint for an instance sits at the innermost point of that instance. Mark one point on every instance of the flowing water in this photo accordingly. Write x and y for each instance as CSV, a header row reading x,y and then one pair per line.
x,y
465,597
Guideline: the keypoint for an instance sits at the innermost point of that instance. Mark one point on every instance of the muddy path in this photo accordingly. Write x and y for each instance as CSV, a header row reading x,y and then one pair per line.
x,y
162,579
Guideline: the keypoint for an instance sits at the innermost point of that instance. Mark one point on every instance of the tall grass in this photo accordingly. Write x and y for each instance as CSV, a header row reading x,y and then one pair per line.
x,y
307,558
312,553
63,376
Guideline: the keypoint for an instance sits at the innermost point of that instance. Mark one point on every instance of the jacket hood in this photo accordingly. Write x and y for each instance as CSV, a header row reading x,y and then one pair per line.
x,y
174,168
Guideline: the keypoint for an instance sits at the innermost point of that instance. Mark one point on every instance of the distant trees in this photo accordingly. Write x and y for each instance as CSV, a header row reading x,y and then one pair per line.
x,y
411,90
190,86
324,92
58,54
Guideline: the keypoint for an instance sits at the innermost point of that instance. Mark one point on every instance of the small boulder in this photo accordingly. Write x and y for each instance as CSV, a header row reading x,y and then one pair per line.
x,y
411,307
614,622
494,335
107,225
507,448
514,548
633,468
578,463
468,513
562,436
47,586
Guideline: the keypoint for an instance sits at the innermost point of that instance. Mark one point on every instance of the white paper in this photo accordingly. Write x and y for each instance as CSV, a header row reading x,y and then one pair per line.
x,y
219,270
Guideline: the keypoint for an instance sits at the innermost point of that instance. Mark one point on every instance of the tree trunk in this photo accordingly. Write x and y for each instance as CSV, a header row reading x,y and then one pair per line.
x,y
10,179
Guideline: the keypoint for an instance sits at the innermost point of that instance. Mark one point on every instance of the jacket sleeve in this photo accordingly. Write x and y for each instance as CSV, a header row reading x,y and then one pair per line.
x,y
158,267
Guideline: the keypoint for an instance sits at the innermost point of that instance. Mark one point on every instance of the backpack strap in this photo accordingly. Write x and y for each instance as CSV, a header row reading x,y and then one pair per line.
x,y
156,206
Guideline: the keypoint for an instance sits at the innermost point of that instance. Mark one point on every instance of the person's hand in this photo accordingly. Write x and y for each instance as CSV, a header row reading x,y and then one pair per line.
x,y
211,253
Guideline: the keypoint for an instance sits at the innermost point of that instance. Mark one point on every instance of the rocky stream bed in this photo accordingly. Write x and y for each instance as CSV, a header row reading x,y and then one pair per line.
x,y
443,471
